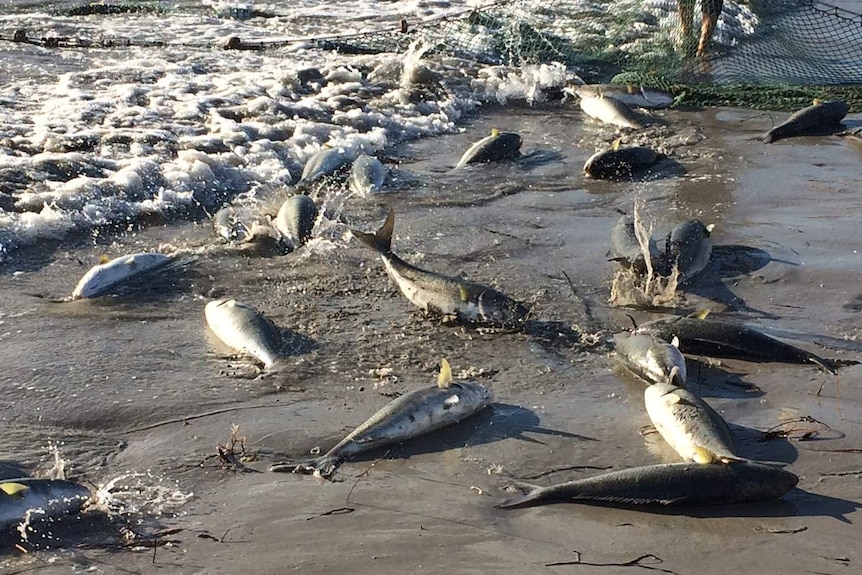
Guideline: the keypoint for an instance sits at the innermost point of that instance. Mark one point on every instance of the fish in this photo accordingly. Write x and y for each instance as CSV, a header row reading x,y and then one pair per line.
x,y
620,163
439,294
712,338
325,162
53,497
110,274
688,424
669,484
625,248
651,358
243,328
367,175
689,248
413,414
296,218
610,111
496,147
809,121
631,95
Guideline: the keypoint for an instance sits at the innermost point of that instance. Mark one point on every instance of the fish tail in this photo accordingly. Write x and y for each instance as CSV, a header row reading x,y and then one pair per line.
x,y
380,241
824,364
533,494
324,466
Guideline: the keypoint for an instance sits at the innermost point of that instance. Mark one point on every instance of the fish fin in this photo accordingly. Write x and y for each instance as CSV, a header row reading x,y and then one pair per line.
x,y
130,261
675,342
767,138
451,401
709,228
816,102
699,314
616,145
321,467
672,398
230,303
704,455
13,489
531,496
381,240
104,259
444,380
464,293
495,132
630,88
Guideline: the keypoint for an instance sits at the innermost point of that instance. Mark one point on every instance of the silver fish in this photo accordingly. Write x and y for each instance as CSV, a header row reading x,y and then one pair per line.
x,y
103,278
439,294
413,414
688,424
243,328
689,247
610,111
635,96
296,218
809,121
53,497
651,358
672,484
496,147
367,175
324,163
714,338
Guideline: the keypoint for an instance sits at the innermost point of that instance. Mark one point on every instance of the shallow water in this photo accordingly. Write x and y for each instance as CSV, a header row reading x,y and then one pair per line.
x,y
135,387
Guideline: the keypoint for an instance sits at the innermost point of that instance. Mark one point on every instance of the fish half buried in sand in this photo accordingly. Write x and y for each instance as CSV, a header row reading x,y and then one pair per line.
x,y
413,414
631,95
812,120
689,425
367,175
52,497
243,328
671,484
296,218
620,163
108,275
439,294
712,338
651,358
610,111
497,147
689,248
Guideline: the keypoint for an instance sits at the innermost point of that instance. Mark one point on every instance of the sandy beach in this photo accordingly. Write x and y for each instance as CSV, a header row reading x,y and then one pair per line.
x,y
563,408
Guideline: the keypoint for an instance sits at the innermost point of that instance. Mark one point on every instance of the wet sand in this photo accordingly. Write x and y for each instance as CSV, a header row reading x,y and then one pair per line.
x,y
561,402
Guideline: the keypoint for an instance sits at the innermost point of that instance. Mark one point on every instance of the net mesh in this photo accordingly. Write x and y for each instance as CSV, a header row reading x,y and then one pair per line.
x,y
763,42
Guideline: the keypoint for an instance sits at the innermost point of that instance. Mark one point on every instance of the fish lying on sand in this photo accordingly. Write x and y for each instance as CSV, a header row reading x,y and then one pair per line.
x,y
812,120
689,248
53,497
243,328
626,249
439,294
324,163
610,111
713,338
110,274
651,358
688,424
496,147
631,95
367,175
415,413
296,218
620,163
672,484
